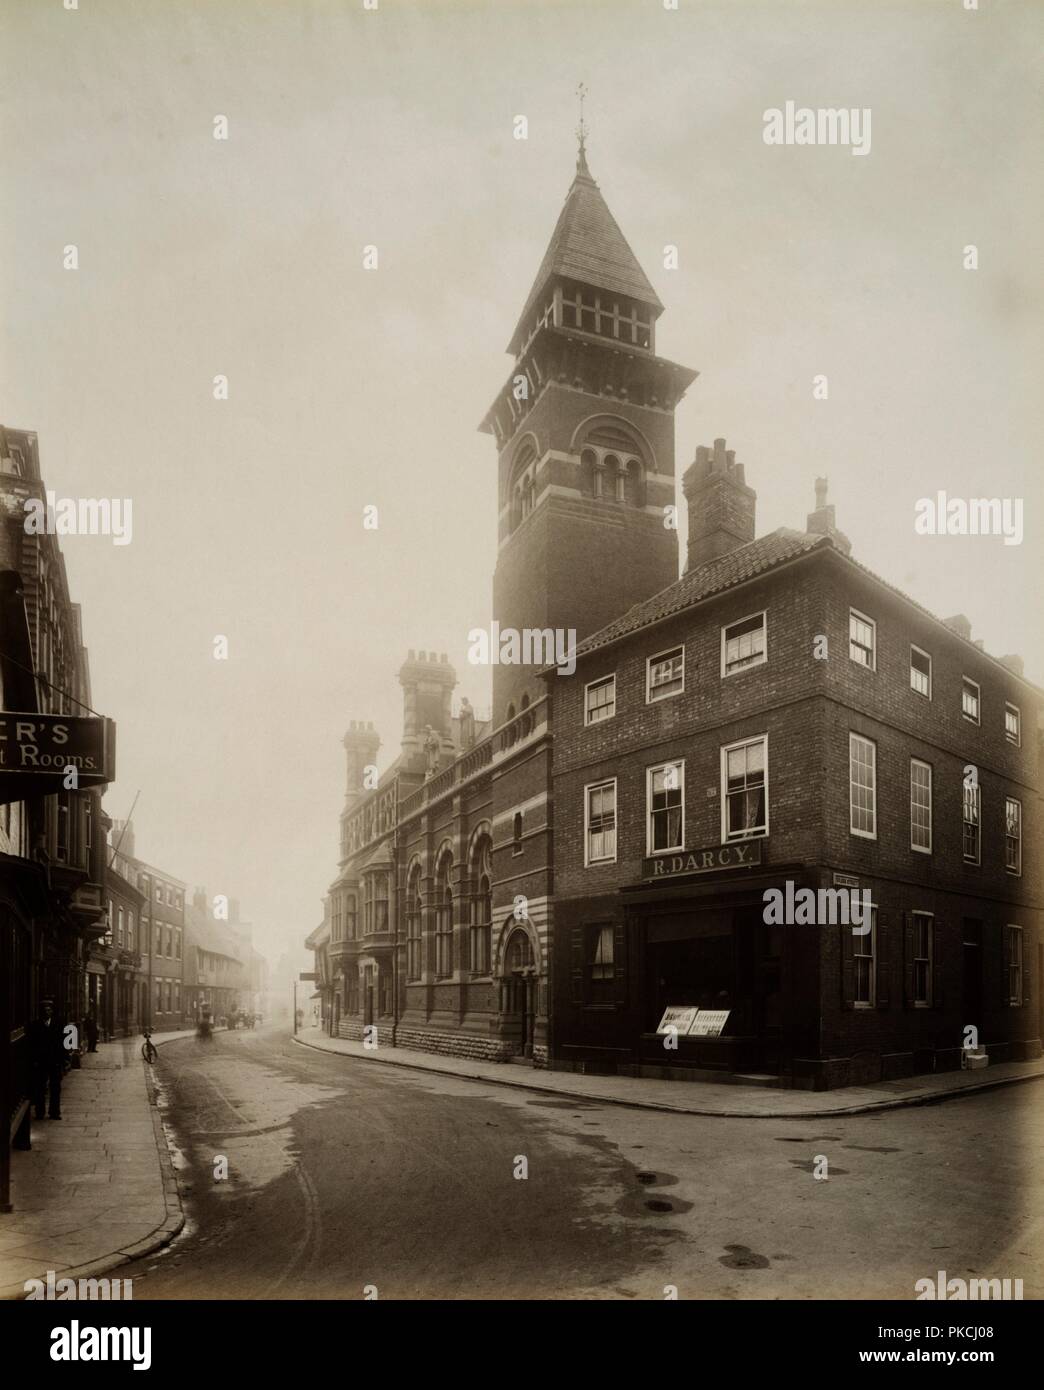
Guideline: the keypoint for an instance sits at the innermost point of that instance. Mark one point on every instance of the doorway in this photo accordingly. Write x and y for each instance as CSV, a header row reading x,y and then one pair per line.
x,y
520,987
972,995
368,994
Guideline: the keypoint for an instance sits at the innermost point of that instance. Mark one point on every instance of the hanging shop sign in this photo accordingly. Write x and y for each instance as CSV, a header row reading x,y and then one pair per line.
x,y
41,753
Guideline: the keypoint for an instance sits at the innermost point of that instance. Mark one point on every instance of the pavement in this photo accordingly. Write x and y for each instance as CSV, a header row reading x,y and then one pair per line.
x,y
732,1100
98,1188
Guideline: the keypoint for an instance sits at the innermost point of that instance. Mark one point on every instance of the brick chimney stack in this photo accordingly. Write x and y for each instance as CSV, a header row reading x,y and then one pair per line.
x,y
721,505
959,624
821,521
123,835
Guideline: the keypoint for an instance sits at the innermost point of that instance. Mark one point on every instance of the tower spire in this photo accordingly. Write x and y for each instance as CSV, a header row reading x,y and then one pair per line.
x,y
581,136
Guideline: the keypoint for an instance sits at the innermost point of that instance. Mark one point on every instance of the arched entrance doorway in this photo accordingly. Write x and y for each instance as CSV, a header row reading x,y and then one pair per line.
x,y
519,1001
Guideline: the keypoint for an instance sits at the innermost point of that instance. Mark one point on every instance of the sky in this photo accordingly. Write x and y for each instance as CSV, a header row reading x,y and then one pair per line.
x,y
350,388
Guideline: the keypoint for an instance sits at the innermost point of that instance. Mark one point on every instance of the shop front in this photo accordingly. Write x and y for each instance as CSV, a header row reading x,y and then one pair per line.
x,y
703,988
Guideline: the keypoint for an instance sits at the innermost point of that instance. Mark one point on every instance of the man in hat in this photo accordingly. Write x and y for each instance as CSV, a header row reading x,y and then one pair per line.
x,y
47,1049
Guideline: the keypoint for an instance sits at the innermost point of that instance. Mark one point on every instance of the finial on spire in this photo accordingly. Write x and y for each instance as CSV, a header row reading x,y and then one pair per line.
x,y
581,135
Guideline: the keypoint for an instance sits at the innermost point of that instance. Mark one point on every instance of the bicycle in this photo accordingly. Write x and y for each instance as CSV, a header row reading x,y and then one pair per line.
x,y
148,1050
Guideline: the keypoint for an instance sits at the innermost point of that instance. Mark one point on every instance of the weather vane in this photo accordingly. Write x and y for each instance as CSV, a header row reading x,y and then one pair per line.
x,y
581,130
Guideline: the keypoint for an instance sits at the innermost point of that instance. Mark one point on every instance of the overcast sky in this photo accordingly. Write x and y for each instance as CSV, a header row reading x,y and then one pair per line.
x,y
346,387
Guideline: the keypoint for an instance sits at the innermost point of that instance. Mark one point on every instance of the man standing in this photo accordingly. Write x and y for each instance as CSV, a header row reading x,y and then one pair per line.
x,y
47,1049
90,1028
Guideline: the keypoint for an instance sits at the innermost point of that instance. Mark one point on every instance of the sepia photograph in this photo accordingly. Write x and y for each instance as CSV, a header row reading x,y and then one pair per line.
x,y
522,670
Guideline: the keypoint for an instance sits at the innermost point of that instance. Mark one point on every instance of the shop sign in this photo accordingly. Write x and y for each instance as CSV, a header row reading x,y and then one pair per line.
x,y
39,750
690,1022
740,855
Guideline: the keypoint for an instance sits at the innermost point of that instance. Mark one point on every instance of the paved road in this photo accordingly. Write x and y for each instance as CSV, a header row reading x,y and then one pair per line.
x,y
344,1174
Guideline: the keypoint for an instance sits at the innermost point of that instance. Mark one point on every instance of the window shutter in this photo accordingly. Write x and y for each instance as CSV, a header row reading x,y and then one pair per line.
x,y
847,967
620,962
884,962
909,987
938,937
576,965
1027,973
1005,960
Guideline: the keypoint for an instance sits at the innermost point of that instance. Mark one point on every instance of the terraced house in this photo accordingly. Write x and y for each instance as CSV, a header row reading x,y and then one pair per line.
x,y
546,887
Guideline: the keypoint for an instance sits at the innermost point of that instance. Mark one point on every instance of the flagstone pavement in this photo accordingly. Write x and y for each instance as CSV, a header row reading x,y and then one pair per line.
x,y
98,1186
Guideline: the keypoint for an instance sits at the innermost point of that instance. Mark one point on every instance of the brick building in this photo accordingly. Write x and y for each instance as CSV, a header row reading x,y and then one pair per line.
x,y
440,920
52,850
778,715
161,932
116,974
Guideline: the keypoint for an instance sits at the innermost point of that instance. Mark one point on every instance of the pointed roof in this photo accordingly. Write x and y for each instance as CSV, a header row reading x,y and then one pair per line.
x,y
587,245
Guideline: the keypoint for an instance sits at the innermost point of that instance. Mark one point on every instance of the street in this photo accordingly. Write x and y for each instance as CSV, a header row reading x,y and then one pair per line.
x,y
346,1176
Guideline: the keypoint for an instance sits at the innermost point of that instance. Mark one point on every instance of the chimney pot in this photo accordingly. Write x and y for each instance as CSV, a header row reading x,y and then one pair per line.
x,y
959,624
721,505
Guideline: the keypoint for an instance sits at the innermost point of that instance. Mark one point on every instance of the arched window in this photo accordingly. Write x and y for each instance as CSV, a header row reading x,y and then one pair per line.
x,y
519,953
481,930
635,494
350,916
511,712
413,924
614,478
516,833
521,482
444,918
588,462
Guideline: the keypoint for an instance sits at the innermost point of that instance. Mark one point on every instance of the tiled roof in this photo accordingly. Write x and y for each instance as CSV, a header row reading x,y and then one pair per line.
x,y
587,245
739,565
